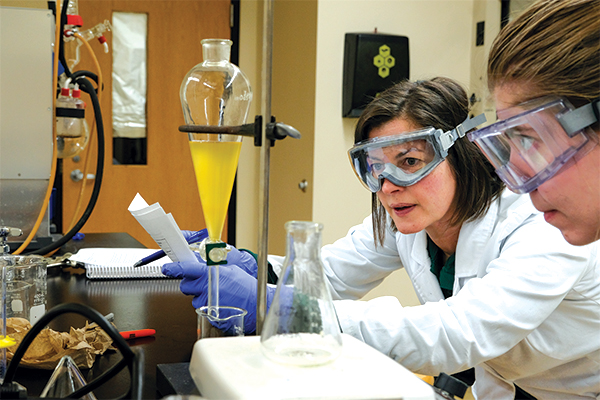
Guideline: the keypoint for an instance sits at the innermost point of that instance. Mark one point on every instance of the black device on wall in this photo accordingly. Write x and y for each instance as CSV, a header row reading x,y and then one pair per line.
x,y
372,63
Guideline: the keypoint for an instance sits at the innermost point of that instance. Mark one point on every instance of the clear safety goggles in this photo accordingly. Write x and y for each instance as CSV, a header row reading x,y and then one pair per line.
x,y
406,158
533,141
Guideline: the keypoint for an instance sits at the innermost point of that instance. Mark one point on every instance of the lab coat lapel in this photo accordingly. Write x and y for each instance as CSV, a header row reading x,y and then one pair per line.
x,y
472,240
425,282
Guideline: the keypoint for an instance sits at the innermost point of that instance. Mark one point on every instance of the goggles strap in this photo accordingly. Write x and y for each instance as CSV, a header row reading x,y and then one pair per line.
x,y
574,121
448,138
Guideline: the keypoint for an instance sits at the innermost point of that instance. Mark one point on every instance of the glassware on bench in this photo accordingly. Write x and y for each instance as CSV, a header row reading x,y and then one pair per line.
x,y
301,326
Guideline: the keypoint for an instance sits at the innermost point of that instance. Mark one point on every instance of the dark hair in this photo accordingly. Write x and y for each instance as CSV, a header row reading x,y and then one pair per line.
x,y
440,103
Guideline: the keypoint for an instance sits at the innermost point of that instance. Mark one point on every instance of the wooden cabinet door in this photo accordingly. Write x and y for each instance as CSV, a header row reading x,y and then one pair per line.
x,y
174,31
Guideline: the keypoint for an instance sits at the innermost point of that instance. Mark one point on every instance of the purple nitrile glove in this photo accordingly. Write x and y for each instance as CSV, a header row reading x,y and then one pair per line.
x,y
236,288
243,259
188,234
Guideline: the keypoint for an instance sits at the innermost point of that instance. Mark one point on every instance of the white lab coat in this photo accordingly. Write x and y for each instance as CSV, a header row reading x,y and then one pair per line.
x,y
525,309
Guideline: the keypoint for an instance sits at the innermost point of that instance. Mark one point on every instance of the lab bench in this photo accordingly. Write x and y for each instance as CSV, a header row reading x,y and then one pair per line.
x,y
136,304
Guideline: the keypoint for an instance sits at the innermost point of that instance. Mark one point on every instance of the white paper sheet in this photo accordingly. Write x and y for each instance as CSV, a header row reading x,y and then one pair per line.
x,y
163,229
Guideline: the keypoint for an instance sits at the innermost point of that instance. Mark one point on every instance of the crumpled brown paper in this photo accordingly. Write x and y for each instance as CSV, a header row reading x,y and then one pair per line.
x,y
46,350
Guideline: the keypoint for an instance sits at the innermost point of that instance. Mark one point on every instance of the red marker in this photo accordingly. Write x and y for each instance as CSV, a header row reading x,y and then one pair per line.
x,y
137,333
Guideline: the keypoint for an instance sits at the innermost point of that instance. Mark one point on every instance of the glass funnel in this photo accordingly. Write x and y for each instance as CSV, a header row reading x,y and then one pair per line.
x,y
301,327
215,93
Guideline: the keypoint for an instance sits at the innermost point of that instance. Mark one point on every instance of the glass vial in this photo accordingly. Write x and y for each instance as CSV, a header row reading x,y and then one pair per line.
x,y
301,327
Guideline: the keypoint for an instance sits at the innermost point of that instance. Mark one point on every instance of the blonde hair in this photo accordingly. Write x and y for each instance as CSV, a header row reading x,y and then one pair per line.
x,y
554,45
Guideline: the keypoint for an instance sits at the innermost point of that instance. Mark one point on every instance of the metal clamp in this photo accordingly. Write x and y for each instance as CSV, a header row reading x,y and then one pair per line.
x,y
275,130
216,253
5,232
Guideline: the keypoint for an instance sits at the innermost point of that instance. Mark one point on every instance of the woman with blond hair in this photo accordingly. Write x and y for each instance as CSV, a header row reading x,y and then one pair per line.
x,y
544,76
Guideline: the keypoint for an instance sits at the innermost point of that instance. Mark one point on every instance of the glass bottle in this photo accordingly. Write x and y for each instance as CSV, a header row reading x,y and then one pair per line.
x,y
301,327
72,133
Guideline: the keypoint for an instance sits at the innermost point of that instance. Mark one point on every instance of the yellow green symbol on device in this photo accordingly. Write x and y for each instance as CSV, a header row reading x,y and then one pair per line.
x,y
384,61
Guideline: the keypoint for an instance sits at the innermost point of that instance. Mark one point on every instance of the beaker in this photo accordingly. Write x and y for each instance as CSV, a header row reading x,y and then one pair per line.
x,y
23,295
301,326
25,286
5,341
220,321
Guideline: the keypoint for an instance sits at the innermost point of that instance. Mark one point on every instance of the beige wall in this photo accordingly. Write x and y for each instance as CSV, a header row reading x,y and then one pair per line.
x,y
251,15
488,11
24,3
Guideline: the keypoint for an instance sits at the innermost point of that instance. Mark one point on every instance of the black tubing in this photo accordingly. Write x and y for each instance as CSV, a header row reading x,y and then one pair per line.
x,y
129,356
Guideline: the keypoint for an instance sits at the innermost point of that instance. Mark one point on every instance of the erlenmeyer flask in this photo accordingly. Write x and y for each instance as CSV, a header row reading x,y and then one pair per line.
x,y
65,379
301,327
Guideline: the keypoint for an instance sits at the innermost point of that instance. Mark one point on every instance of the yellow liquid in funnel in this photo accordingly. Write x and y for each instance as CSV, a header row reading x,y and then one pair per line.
x,y
215,164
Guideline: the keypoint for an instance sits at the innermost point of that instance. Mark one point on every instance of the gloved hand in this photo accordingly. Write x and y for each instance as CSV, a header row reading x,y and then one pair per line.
x,y
236,288
242,259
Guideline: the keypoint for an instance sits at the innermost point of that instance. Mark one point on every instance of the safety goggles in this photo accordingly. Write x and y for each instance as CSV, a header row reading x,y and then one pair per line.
x,y
533,141
406,158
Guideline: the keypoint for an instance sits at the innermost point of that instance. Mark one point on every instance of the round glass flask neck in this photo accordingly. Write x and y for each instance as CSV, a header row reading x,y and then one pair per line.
x,y
215,50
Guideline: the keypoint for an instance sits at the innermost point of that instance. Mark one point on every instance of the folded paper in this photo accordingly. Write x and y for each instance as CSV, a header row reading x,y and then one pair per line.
x,y
46,350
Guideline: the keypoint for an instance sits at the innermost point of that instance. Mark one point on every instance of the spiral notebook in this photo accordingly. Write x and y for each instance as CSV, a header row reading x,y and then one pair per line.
x,y
131,287
117,263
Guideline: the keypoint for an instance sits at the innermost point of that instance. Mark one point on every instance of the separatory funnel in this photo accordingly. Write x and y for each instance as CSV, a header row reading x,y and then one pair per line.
x,y
215,93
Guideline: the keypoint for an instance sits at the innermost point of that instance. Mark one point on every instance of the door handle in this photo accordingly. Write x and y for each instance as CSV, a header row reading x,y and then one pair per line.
x,y
77,175
303,185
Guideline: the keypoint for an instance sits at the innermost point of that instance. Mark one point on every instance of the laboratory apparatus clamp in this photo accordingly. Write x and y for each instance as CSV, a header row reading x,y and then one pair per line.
x,y
29,188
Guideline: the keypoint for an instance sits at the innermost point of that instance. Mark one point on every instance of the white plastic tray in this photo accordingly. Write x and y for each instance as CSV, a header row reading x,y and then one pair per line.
x,y
235,368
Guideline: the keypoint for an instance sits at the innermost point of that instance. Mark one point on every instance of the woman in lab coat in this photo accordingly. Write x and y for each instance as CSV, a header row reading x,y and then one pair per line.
x,y
500,289
544,75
